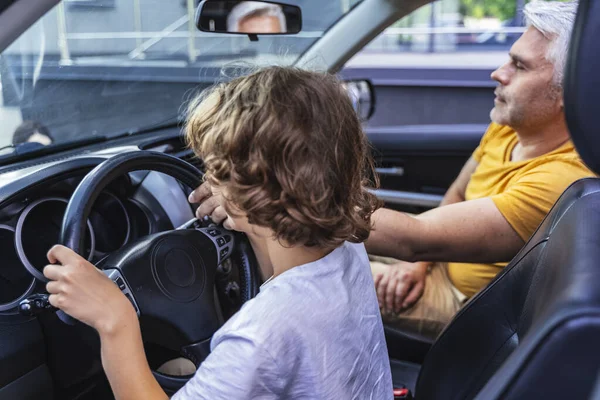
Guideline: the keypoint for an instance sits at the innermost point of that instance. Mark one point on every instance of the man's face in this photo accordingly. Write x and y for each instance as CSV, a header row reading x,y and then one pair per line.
x,y
526,95
260,24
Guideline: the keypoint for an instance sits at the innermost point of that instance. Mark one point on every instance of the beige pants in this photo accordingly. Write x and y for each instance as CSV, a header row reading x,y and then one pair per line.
x,y
436,307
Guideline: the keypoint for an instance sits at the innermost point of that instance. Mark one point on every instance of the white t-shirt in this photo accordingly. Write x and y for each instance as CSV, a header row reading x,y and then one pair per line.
x,y
313,332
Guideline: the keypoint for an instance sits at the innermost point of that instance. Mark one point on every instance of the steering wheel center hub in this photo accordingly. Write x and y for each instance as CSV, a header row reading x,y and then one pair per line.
x,y
178,269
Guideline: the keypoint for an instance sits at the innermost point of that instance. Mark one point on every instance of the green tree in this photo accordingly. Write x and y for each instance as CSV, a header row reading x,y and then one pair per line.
x,y
501,9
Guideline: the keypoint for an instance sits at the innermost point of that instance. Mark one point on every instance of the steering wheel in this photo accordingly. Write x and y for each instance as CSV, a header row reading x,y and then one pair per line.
x,y
169,276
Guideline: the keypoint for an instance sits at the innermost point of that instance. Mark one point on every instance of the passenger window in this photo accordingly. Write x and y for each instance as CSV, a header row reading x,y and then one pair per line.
x,y
449,27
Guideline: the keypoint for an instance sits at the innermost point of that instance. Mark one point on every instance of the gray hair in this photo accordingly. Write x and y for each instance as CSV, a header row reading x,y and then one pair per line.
x,y
554,20
246,8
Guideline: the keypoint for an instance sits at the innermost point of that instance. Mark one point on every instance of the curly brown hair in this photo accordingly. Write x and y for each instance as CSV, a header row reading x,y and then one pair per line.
x,y
290,152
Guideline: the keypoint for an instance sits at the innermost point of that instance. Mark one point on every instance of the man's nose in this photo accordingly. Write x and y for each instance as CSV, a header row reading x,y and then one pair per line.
x,y
501,75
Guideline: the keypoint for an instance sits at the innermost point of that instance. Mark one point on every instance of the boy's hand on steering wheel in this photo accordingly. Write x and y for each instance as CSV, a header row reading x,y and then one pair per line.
x,y
210,205
84,292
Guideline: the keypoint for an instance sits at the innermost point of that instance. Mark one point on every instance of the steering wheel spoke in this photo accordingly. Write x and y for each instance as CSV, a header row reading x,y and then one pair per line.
x,y
116,276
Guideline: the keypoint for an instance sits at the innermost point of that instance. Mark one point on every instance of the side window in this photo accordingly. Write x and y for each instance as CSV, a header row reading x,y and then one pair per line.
x,y
454,26
431,69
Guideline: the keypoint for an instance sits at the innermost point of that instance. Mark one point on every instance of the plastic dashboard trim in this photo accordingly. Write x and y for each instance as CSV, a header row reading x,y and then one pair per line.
x,y
30,289
46,175
19,179
19,236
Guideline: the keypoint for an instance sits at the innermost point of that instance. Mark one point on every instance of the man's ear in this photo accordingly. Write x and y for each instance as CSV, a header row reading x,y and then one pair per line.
x,y
562,101
558,92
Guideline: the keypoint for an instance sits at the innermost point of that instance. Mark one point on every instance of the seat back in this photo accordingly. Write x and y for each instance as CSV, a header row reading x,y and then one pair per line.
x,y
534,331
536,327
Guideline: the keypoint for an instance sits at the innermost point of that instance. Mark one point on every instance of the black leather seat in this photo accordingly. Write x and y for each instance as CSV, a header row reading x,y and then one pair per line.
x,y
534,331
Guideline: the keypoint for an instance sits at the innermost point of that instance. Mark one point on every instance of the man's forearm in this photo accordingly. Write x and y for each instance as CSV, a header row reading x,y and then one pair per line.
x,y
384,242
126,366
387,240
452,196
472,231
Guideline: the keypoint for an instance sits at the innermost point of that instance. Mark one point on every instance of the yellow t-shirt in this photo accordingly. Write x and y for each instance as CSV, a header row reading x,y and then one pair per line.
x,y
523,191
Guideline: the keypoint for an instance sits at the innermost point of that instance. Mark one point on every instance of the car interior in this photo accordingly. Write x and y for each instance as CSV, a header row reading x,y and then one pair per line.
x,y
122,203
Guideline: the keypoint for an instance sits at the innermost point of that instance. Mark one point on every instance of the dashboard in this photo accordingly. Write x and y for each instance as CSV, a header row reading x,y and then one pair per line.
x,y
40,356
33,201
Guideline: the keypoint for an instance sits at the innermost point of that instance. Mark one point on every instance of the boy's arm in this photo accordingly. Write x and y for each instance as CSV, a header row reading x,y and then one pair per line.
x,y
82,291
125,364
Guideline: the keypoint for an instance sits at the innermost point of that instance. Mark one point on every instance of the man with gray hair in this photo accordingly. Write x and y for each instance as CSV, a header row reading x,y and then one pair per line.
x,y
256,17
522,165
524,162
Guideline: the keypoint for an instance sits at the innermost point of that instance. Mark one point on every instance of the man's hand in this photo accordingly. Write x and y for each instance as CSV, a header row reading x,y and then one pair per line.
x,y
210,205
400,286
84,292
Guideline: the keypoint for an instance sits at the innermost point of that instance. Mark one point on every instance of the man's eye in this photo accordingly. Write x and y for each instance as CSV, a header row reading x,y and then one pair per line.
x,y
519,66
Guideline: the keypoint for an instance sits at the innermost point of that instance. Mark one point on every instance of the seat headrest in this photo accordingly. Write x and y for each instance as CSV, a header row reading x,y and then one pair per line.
x,y
582,84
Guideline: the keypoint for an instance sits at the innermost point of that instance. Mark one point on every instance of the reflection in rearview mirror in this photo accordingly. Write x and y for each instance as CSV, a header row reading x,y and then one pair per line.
x,y
248,17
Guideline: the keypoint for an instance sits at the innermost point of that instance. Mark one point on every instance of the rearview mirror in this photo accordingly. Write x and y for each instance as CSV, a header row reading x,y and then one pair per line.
x,y
248,17
363,97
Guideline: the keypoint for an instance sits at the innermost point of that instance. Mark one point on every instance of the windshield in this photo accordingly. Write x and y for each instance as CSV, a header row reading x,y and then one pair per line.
x,y
106,67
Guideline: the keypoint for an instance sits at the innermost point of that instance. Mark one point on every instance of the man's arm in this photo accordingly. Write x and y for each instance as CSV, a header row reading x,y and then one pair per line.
x,y
455,194
469,231
456,191
404,283
443,234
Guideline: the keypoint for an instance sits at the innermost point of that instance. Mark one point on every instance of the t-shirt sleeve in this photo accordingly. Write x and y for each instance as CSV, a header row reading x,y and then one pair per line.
x,y
237,368
529,199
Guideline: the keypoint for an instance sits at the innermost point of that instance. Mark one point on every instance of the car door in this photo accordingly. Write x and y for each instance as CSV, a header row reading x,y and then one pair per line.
x,y
425,125
432,89
417,164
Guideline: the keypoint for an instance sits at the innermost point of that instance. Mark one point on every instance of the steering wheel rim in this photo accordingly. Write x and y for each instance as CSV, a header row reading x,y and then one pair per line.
x,y
88,190
86,193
